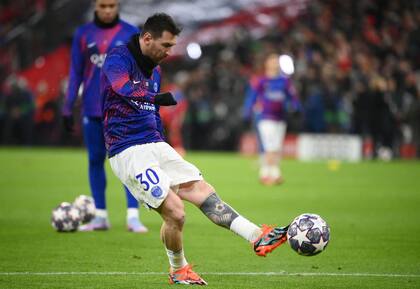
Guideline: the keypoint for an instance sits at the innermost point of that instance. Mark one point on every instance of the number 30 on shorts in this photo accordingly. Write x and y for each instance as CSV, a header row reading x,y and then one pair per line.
x,y
147,178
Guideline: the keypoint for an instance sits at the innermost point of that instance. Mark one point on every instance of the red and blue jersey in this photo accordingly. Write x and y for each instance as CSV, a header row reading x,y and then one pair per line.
x,y
130,115
269,98
89,50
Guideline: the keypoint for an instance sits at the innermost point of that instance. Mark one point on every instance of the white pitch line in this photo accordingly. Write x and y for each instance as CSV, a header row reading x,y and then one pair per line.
x,y
310,274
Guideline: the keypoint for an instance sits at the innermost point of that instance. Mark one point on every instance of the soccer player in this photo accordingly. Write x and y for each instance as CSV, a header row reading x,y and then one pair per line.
x,y
266,101
90,46
153,171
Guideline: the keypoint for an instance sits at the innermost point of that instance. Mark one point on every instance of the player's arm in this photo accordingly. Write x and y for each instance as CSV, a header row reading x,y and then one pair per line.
x,y
159,124
293,103
250,99
159,121
116,69
75,75
75,79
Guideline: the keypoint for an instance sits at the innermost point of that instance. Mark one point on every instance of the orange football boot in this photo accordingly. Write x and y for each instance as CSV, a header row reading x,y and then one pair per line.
x,y
270,239
185,276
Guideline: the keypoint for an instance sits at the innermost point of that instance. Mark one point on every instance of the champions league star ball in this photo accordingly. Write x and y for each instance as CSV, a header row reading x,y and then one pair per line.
x,y
308,234
65,218
86,207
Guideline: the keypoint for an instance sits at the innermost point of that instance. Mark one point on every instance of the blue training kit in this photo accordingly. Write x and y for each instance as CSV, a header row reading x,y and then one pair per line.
x,y
129,83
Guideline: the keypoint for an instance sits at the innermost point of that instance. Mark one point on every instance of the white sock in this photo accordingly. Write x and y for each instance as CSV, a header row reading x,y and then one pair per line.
x,y
132,213
176,259
264,171
244,228
101,213
275,172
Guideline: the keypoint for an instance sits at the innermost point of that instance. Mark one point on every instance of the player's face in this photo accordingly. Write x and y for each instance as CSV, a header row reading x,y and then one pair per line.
x,y
106,10
272,65
159,48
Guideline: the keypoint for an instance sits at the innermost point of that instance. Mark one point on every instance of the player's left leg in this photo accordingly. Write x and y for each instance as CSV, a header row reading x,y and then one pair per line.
x,y
203,195
94,140
272,134
275,171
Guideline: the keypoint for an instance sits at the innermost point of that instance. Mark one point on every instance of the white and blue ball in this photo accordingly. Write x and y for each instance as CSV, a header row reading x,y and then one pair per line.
x,y
308,234
65,218
86,206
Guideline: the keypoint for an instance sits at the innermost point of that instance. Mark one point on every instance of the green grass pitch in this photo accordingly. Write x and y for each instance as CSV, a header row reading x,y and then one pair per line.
x,y
373,210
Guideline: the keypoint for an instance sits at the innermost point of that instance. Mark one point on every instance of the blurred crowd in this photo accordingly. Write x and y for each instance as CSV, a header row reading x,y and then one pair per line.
x,y
357,70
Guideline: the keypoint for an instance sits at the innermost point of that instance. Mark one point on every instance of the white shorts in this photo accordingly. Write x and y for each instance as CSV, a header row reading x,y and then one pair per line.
x,y
271,133
149,171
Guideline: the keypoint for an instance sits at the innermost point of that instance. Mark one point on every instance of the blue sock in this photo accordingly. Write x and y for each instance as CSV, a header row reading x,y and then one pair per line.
x,y
131,201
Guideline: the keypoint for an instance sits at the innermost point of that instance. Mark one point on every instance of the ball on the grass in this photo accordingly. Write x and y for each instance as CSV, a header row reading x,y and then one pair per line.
x,y
86,206
308,234
65,218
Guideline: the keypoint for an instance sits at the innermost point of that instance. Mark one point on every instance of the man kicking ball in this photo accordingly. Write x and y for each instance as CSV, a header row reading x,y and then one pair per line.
x,y
152,170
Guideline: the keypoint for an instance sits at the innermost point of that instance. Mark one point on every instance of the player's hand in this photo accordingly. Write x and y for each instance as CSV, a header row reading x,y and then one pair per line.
x,y
68,123
165,99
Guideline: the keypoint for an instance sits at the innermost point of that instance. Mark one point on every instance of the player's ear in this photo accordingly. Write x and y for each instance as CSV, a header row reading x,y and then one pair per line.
x,y
147,37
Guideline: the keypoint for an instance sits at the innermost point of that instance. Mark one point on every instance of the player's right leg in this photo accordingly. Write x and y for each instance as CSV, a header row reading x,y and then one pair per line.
x,y
203,195
192,188
94,140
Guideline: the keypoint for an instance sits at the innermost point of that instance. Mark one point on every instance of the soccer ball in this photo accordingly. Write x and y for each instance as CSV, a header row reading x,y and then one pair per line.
x,y
65,218
308,234
86,207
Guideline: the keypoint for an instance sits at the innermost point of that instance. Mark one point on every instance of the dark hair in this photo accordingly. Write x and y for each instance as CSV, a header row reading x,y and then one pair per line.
x,y
159,22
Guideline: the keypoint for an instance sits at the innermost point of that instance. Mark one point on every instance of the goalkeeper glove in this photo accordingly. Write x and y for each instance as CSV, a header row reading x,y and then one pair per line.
x,y
165,99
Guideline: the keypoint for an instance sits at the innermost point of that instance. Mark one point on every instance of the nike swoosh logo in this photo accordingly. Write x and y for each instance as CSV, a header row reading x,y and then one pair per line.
x,y
135,82
91,44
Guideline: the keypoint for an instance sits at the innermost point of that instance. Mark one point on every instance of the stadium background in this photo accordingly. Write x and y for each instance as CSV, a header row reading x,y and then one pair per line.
x,y
356,67
343,52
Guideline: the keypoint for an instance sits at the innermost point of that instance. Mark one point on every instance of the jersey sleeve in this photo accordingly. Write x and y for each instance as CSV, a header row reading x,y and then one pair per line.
x,y
116,69
250,99
76,73
293,103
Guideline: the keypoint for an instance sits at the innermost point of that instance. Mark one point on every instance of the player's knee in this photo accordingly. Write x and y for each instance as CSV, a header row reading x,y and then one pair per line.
x,y
179,219
176,218
173,212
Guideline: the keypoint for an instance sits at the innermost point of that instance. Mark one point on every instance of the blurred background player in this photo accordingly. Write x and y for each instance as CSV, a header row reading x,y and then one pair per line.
x,y
90,46
266,102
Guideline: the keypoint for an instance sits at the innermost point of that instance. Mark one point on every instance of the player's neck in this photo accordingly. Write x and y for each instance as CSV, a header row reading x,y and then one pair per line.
x,y
98,22
144,62
272,74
